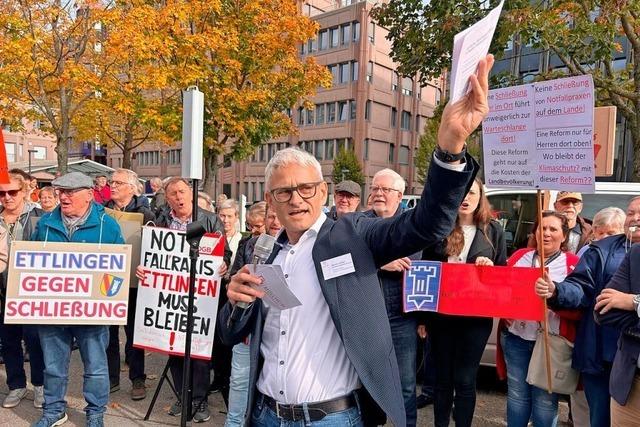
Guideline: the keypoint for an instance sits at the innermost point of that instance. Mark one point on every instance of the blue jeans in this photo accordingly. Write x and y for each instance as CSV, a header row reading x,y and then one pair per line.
x,y
238,385
262,416
596,389
405,342
56,348
524,401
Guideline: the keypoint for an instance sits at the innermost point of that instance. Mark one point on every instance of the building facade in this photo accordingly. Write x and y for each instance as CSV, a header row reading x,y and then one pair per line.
x,y
369,108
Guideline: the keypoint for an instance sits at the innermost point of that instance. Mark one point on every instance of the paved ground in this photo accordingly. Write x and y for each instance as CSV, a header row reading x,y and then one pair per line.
x,y
123,412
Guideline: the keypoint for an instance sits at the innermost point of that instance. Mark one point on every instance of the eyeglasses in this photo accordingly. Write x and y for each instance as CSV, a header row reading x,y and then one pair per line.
x,y
118,183
68,191
306,191
12,193
385,190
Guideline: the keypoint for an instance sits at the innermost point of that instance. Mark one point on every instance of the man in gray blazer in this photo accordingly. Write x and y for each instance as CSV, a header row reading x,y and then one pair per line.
x,y
323,360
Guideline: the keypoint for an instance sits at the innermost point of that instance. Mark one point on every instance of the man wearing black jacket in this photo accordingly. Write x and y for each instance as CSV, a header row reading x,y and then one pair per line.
x,y
176,215
123,186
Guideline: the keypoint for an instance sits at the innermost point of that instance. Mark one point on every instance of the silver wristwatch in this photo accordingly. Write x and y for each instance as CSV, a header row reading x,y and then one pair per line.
x,y
636,302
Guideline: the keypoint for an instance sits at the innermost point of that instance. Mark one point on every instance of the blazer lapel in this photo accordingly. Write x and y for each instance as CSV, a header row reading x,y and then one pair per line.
x,y
479,246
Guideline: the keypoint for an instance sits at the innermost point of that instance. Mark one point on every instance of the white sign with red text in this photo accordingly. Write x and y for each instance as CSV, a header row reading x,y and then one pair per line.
x,y
540,136
56,283
161,308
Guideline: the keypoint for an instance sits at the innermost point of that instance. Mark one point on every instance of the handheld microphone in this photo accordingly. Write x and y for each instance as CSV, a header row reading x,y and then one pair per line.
x,y
261,252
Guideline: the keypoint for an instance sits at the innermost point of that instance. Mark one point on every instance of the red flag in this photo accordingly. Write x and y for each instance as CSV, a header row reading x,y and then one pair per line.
x,y
4,166
505,292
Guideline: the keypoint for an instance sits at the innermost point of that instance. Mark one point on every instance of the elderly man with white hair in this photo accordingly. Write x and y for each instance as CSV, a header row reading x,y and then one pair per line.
x,y
330,361
387,188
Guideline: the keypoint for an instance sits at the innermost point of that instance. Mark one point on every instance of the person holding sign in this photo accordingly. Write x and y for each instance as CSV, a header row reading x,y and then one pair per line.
x,y
524,401
77,219
123,198
331,267
457,342
596,345
176,215
16,219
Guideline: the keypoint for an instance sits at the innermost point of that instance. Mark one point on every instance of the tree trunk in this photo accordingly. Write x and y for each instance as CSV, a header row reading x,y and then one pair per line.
x,y
210,172
635,137
62,152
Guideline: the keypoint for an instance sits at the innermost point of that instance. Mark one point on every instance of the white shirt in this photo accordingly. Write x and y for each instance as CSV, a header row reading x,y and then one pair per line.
x,y
304,358
527,329
233,242
469,232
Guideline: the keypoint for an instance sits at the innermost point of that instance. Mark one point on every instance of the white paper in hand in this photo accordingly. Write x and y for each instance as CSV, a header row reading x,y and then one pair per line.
x,y
469,47
276,292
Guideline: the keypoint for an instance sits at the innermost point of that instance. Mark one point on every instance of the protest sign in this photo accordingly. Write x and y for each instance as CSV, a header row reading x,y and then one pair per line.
x,y
161,308
68,283
540,136
131,226
470,290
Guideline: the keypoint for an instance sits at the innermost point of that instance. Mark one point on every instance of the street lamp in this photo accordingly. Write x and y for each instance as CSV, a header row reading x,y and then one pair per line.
x,y
30,153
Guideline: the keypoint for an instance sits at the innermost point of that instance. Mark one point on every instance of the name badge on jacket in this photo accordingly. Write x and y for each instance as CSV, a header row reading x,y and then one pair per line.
x,y
338,266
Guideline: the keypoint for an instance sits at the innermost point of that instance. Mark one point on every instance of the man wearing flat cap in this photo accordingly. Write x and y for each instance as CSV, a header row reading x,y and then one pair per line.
x,y
569,203
76,219
346,197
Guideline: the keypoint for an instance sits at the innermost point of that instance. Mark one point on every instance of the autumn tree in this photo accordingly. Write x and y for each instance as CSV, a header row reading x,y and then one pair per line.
x,y
583,37
244,56
50,62
347,166
137,99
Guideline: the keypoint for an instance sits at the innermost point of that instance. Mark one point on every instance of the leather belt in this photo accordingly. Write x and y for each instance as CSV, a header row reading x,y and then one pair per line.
x,y
316,410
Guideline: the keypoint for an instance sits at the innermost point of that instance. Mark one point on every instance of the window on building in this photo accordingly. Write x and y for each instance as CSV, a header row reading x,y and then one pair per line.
x,y
11,151
262,156
319,114
319,150
323,40
407,86
303,48
356,31
366,149
341,144
333,69
370,72
331,112
334,37
394,117
343,111
312,45
261,195
329,149
394,80
271,150
354,71
309,117
344,72
372,32
246,189
405,124
352,113
367,110
345,34
392,149
403,155
300,116
418,121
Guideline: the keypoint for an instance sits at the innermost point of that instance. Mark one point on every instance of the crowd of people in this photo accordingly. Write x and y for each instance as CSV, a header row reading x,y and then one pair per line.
x,y
346,355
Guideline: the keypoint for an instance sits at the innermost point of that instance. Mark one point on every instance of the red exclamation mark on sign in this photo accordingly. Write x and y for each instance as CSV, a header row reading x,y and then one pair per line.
x,y
172,339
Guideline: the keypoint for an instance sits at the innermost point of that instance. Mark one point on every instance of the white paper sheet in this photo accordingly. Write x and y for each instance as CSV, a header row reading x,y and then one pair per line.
x,y
276,292
469,47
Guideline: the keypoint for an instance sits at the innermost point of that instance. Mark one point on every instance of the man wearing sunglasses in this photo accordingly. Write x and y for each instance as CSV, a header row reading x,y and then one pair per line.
x,y
123,198
322,362
76,219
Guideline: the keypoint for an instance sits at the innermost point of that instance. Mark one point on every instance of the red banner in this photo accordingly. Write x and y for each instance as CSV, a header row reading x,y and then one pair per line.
x,y
468,290
505,292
